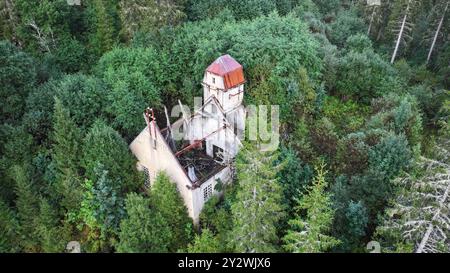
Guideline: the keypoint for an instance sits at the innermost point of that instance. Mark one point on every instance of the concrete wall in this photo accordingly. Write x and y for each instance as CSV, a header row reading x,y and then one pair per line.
x,y
162,159
197,194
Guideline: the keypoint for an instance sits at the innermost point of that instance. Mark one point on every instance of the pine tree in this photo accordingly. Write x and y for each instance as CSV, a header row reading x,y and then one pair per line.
x,y
105,25
51,235
309,234
165,199
144,230
257,209
9,236
66,156
206,242
27,209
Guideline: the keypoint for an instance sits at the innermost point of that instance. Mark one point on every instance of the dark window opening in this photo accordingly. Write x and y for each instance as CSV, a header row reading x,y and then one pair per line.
x,y
217,152
146,177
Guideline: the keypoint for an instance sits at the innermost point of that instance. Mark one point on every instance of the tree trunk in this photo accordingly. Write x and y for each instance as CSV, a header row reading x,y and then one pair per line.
x,y
400,34
371,20
436,34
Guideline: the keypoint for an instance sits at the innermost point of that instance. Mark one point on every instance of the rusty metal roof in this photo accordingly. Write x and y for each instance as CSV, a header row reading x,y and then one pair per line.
x,y
228,68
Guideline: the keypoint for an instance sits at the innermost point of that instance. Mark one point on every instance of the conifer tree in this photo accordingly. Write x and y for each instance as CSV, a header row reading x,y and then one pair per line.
x,y
104,145
144,230
49,229
105,25
66,156
309,234
257,209
27,209
206,242
8,230
165,199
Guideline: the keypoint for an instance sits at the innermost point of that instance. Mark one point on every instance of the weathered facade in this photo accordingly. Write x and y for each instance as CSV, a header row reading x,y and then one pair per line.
x,y
209,138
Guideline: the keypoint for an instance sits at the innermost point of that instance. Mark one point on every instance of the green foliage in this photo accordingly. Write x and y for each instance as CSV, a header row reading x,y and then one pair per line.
x,y
324,138
294,176
52,236
108,201
166,200
149,15
365,75
357,219
386,160
104,145
243,9
281,44
347,23
49,16
101,211
15,147
27,209
66,157
9,236
400,114
83,96
204,243
216,217
17,77
128,96
140,72
257,209
327,6
144,230
353,153
309,234
71,55
38,119
430,101
340,101
358,43
348,116
104,25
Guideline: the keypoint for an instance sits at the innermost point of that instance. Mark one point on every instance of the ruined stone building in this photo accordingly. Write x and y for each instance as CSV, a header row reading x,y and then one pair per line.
x,y
197,150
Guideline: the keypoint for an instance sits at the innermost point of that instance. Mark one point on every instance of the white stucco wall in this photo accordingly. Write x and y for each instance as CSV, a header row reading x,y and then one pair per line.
x,y
162,159
197,194
229,99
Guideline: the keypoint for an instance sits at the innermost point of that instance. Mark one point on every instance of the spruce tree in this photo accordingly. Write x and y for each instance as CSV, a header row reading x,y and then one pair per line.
x,y
66,156
51,234
309,234
8,230
165,199
144,230
257,209
27,209
106,25
103,145
206,242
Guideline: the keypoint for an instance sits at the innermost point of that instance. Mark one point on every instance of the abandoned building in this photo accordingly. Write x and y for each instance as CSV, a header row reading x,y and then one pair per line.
x,y
210,138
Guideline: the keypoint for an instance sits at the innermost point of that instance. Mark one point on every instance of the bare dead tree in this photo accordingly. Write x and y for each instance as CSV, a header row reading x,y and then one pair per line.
x,y
421,214
403,30
45,39
438,31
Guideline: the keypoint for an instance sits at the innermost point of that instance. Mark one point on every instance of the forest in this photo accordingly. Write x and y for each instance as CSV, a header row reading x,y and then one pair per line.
x,y
363,91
